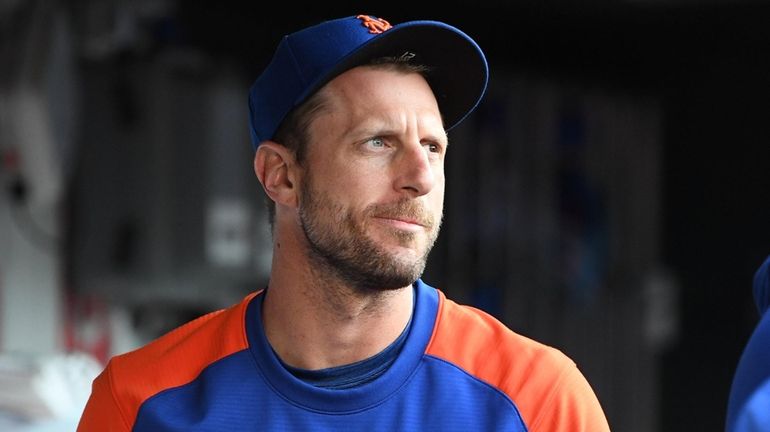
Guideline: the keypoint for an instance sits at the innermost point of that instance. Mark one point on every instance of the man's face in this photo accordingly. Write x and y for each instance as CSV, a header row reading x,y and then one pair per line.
x,y
372,189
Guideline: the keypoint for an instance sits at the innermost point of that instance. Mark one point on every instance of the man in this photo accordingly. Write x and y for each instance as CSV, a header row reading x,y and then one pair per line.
x,y
349,125
748,407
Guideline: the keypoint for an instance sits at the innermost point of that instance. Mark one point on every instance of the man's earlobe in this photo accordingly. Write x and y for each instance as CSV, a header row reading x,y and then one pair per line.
x,y
273,165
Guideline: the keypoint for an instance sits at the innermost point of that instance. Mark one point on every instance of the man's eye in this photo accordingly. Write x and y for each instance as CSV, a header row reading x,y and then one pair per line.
x,y
434,148
376,142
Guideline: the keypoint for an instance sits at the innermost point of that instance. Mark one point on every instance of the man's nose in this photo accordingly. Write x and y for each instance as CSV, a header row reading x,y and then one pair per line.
x,y
416,173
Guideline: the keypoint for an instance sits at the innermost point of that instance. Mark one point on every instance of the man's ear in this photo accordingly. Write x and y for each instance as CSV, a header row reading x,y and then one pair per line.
x,y
275,167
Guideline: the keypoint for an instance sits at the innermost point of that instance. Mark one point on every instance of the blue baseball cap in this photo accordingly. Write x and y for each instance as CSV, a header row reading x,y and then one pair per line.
x,y
309,58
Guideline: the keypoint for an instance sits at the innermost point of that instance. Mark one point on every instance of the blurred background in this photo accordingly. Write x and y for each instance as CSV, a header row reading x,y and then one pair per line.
x,y
609,197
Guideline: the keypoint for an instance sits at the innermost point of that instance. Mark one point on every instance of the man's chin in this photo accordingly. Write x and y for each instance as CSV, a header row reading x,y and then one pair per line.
x,y
404,255
399,241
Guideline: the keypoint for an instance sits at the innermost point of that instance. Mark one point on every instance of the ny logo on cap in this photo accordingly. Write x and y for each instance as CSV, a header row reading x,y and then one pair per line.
x,y
375,25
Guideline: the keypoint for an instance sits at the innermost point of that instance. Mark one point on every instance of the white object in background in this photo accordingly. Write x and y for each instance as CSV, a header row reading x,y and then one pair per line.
x,y
45,388
38,117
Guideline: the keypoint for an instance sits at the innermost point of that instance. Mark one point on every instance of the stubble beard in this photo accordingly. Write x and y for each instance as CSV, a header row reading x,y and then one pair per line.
x,y
338,243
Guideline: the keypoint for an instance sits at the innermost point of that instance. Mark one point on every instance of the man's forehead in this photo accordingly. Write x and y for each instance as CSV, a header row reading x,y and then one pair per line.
x,y
361,94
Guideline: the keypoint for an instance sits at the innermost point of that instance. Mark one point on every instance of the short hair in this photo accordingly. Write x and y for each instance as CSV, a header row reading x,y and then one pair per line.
x,y
294,131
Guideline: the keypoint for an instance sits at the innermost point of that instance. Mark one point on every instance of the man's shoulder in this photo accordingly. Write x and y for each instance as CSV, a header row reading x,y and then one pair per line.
x,y
542,381
180,355
172,360
465,331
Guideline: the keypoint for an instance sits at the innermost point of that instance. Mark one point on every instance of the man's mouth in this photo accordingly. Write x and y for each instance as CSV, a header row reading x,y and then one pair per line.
x,y
405,223
403,215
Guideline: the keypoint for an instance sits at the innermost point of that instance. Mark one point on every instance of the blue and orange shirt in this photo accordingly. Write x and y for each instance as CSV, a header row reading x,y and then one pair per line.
x,y
459,369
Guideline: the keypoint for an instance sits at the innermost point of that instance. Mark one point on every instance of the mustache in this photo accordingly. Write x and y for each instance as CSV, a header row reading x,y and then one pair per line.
x,y
408,210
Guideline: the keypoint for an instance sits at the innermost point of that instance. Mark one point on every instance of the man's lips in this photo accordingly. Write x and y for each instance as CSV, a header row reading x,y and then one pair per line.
x,y
402,222
405,215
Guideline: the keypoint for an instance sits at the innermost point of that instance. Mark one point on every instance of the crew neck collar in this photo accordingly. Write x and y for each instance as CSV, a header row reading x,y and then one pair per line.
x,y
367,395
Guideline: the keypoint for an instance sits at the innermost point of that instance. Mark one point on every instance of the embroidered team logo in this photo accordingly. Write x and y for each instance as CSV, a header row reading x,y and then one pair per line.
x,y
375,25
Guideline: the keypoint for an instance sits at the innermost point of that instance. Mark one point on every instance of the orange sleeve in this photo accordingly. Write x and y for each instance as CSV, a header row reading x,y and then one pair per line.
x,y
545,385
572,406
102,412
172,360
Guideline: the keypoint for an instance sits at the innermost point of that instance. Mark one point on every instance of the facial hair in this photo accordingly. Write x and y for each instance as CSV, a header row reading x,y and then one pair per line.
x,y
338,243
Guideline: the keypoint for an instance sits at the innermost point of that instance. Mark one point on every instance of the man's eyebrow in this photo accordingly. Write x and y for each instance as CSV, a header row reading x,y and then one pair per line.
x,y
385,128
442,139
371,128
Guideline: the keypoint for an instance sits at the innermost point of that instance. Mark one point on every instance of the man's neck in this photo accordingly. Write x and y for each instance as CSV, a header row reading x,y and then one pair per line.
x,y
313,320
